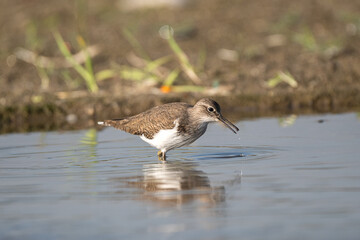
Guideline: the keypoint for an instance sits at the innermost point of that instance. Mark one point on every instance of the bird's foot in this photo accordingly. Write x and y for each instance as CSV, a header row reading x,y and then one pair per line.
x,y
161,156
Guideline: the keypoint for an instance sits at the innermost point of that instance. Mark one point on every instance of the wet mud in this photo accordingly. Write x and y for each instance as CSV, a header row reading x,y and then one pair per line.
x,y
244,45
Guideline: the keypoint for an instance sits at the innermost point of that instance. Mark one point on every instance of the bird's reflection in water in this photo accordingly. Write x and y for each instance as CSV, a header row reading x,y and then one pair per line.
x,y
176,183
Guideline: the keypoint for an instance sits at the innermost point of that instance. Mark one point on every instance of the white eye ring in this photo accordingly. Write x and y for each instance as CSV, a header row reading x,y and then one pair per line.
x,y
210,109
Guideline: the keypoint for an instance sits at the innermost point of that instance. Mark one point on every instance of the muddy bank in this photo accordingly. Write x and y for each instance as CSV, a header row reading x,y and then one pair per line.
x,y
236,48
84,112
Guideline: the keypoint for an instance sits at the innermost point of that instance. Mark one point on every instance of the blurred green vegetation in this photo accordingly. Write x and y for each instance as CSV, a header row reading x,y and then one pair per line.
x,y
191,58
86,72
145,69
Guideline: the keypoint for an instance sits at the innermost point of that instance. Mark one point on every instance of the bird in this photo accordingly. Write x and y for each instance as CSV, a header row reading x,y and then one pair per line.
x,y
172,125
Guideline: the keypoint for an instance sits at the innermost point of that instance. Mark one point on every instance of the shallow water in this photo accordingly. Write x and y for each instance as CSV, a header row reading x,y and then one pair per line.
x,y
294,178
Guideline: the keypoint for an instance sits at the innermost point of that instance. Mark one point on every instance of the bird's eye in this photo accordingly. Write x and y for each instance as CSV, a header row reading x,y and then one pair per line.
x,y
210,109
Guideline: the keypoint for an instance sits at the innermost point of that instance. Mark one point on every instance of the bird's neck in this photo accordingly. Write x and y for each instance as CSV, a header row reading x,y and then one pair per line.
x,y
195,118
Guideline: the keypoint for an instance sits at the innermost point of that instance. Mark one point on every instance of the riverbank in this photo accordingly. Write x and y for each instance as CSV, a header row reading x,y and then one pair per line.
x,y
255,58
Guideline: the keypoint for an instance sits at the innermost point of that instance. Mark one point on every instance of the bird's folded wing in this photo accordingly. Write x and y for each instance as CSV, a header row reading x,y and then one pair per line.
x,y
150,122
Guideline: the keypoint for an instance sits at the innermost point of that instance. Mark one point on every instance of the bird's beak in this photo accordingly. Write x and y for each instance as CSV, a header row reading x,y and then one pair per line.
x,y
227,123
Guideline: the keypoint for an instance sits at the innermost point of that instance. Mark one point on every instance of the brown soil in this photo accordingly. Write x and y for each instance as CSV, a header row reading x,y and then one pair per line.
x,y
317,42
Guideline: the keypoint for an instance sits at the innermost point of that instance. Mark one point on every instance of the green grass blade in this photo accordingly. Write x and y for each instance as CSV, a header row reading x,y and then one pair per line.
x,y
88,77
272,82
105,74
152,65
184,61
136,74
289,79
187,88
282,77
135,44
307,40
170,79
88,61
45,80
200,63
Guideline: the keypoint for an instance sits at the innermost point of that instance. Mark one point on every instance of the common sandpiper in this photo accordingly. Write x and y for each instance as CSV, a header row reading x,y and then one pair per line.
x,y
172,125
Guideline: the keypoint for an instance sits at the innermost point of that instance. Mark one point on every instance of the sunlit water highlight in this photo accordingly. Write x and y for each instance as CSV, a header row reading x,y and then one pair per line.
x,y
294,178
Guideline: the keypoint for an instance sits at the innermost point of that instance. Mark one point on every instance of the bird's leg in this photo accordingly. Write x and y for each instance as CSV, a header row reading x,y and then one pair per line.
x,y
164,156
161,156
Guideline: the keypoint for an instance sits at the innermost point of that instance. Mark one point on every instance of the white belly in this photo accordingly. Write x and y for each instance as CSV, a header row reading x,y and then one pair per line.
x,y
166,140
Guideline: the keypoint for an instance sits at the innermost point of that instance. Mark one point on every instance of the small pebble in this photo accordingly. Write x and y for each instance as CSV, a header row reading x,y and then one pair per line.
x,y
71,118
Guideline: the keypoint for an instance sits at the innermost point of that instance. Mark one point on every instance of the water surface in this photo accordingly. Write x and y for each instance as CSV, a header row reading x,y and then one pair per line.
x,y
292,178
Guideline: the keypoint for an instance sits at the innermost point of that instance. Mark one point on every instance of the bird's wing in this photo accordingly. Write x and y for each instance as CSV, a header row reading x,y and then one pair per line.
x,y
152,121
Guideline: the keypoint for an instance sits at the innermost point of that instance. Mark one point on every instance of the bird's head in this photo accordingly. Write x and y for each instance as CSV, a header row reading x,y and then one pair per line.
x,y
207,110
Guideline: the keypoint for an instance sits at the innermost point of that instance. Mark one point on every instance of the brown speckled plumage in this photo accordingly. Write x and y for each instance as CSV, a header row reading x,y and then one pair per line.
x,y
150,122
191,122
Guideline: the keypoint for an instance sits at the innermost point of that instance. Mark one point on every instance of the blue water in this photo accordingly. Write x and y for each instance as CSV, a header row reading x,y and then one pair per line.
x,y
291,178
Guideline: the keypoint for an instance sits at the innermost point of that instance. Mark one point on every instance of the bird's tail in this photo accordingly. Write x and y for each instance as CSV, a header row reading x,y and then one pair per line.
x,y
105,123
116,123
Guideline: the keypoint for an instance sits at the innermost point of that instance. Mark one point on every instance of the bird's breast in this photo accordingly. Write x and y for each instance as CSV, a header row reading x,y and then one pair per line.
x,y
167,139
